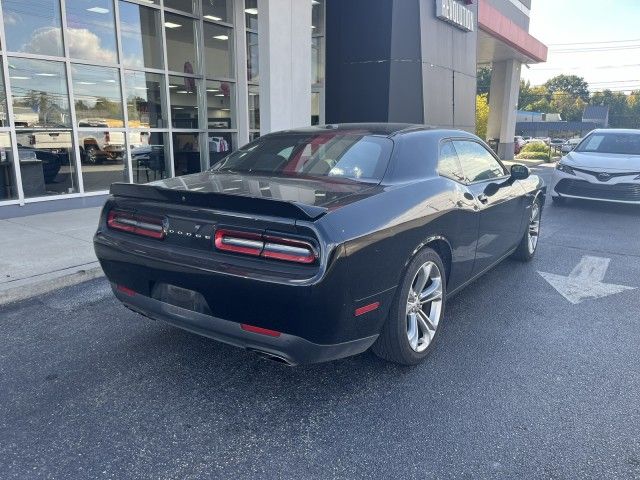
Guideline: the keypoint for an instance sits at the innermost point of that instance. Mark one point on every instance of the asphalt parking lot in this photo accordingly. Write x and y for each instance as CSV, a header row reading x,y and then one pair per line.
x,y
536,375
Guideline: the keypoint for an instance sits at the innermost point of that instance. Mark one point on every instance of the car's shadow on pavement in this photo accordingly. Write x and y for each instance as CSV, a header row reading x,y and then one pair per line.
x,y
590,207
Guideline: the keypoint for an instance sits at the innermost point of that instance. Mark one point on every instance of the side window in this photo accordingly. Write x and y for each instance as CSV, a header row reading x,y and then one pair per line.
x,y
477,163
448,163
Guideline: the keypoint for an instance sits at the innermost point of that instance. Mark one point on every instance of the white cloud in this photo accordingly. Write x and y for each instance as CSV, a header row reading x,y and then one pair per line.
x,y
82,44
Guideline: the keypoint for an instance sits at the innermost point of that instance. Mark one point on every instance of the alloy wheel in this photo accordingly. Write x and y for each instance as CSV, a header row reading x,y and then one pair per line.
x,y
424,306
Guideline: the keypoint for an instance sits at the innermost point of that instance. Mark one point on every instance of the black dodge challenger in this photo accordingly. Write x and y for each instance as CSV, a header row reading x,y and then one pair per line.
x,y
311,245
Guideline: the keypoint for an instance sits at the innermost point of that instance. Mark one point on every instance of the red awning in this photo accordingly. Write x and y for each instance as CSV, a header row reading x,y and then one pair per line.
x,y
491,21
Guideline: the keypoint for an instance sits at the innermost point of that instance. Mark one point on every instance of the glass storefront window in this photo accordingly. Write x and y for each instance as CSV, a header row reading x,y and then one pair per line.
x,y
254,107
4,115
33,26
189,6
315,108
149,156
221,144
8,189
218,10
251,14
253,59
317,60
317,17
141,36
186,153
40,97
218,50
47,162
183,93
221,105
181,43
97,97
104,158
145,99
91,31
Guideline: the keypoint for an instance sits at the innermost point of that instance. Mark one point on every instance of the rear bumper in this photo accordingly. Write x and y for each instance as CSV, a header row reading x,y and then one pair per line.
x,y
288,349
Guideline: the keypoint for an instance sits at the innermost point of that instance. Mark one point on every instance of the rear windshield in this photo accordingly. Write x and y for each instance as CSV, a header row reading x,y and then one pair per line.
x,y
621,143
328,154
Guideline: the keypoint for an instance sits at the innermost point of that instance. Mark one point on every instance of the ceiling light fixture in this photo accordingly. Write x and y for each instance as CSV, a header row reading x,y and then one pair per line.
x,y
172,25
251,11
86,83
211,17
46,75
221,37
15,77
98,10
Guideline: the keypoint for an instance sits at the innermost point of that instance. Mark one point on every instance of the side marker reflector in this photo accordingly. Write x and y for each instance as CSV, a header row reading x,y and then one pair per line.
x,y
259,330
366,309
127,291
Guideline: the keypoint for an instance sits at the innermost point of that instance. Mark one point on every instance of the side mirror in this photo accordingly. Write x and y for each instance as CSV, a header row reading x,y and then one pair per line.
x,y
491,189
519,172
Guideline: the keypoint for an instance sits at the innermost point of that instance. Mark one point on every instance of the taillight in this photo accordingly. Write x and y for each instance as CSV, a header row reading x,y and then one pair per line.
x,y
239,242
289,250
256,245
152,227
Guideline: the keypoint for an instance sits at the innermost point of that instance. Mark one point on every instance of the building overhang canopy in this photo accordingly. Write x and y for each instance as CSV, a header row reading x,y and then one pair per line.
x,y
499,38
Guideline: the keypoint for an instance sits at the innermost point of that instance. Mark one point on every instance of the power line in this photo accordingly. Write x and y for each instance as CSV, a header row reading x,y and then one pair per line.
x,y
584,67
593,43
596,49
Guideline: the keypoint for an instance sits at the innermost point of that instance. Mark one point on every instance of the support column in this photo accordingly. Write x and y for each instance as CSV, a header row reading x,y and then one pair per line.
x,y
285,64
503,106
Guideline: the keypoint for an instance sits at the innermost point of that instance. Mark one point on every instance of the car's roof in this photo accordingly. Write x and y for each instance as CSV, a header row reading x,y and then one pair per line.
x,y
617,130
378,129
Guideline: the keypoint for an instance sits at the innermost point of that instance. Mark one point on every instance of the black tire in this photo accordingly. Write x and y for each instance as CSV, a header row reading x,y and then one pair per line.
x,y
91,156
524,253
558,201
392,344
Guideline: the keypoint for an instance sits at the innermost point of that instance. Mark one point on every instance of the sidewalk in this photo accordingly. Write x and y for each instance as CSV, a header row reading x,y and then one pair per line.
x,y
46,251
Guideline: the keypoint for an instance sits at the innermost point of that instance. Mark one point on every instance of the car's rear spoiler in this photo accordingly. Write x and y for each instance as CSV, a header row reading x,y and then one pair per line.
x,y
220,201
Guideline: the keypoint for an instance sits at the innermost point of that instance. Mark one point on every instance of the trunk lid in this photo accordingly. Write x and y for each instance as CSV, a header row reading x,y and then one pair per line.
x,y
303,198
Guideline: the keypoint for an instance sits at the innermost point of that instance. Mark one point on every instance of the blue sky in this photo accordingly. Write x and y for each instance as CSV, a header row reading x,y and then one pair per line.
x,y
586,21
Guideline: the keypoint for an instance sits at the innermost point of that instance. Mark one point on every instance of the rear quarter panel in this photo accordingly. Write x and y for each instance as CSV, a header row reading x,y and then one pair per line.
x,y
382,233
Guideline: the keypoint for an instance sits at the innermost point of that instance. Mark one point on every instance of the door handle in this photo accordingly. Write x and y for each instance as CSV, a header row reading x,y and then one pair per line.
x,y
482,198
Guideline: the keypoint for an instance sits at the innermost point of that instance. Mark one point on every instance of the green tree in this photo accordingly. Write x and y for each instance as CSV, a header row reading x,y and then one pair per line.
x,y
620,115
569,107
633,107
484,80
482,115
533,99
571,84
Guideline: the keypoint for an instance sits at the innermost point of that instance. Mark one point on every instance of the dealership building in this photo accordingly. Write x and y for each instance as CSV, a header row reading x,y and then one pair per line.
x,y
100,91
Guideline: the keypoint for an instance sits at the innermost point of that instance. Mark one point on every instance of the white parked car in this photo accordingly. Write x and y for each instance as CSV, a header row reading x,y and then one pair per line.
x,y
605,166
570,144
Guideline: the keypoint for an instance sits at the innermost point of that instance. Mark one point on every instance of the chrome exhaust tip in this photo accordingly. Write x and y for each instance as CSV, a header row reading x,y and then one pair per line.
x,y
272,357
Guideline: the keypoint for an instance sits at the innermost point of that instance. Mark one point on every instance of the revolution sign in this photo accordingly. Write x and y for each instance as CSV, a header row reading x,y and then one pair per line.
x,y
456,14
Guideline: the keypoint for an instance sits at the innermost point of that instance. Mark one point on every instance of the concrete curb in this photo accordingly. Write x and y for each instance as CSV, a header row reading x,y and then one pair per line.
x,y
53,282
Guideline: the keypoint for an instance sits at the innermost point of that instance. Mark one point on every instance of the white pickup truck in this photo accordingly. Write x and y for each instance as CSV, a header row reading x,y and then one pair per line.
x,y
99,146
